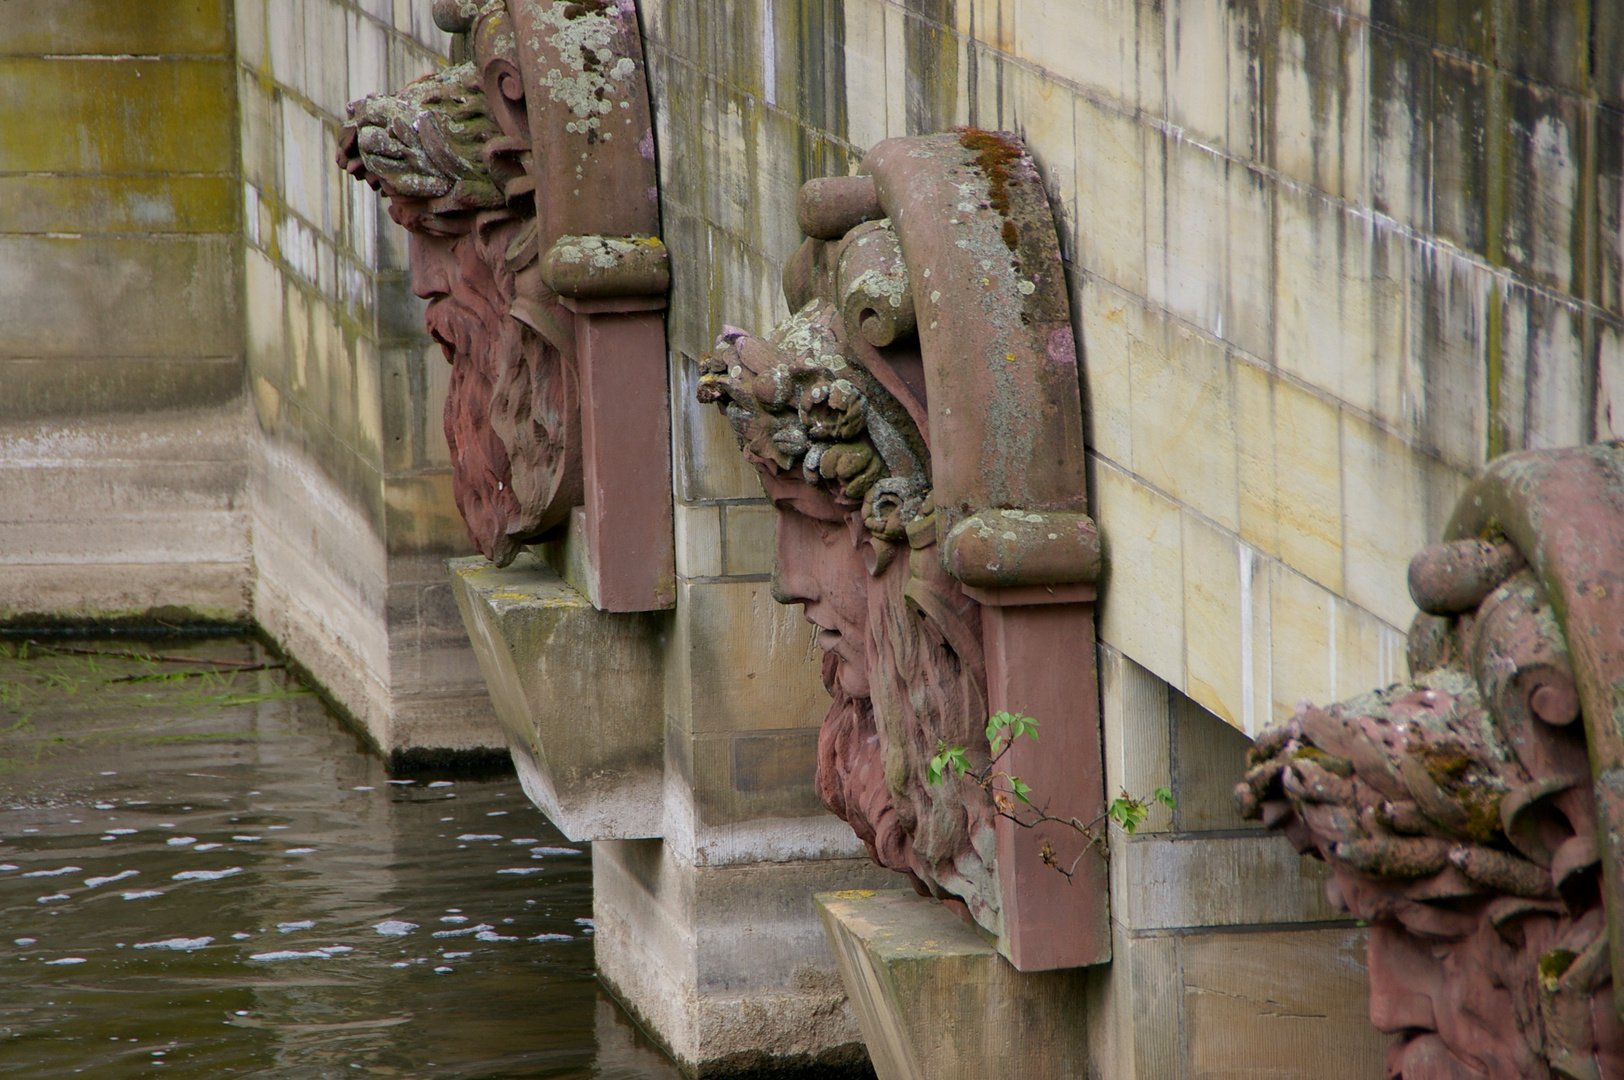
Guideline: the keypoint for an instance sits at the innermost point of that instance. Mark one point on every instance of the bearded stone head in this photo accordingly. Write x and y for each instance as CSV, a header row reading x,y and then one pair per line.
x,y
928,349
492,165
1457,811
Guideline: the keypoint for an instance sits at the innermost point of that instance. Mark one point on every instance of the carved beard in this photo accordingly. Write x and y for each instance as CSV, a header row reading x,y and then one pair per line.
x,y
1480,981
471,331
509,413
926,683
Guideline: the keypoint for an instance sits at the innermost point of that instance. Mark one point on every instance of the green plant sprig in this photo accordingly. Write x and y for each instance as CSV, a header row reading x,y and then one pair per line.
x,y
1007,790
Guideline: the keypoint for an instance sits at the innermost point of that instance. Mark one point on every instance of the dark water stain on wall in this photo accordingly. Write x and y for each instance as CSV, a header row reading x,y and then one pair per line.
x,y
933,65
820,53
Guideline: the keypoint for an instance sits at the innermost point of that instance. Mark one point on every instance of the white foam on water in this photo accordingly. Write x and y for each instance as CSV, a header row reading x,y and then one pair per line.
x,y
53,897
496,813
110,772
290,927
524,840
552,937
246,838
54,873
455,955
586,922
463,930
179,944
448,819
240,936
25,941
142,895
293,954
395,927
521,870
105,838
180,841
492,935
273,828
299,851
205,847
555,851
403,782
207,875
362,787
440,783
94,882
65,960
479,836
454,918
442,970
401,963
8,866
120,832
105,806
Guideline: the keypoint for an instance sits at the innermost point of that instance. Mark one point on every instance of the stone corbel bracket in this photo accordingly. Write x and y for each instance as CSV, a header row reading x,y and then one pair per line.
x,y
619,550
975,273
585,92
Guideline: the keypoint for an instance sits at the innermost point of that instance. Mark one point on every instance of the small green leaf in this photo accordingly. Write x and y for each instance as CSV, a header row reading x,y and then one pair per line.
x,y
1164,796
1020,789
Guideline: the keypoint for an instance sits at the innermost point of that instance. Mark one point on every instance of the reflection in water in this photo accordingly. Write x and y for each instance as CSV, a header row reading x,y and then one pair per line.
x,y
202,874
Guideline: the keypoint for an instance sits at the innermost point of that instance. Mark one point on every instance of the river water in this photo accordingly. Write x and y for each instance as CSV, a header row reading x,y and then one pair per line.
x,y
204,874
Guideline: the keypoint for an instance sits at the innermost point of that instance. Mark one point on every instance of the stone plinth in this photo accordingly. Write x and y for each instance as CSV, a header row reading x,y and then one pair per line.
x,y
578,691
936,1001
726,964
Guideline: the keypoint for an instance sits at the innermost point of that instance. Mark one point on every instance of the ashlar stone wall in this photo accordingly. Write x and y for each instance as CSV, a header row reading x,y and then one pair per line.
x,y
121,431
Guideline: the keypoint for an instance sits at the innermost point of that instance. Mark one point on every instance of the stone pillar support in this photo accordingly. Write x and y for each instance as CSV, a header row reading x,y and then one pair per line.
x,y
624,527
1034,638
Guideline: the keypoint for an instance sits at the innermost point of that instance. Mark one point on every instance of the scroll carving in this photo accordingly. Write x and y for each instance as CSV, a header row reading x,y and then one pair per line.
x,y
930,344
1469,815
525,176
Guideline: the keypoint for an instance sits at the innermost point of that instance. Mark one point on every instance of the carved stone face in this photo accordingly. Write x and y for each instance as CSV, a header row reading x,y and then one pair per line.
x,y
511,412
1459,822
819,566
843,464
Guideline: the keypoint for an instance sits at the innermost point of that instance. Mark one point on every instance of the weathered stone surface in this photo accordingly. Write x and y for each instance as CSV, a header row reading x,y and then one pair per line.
x,y
119,296
579,693
727,966
936,1001
112,27
169,119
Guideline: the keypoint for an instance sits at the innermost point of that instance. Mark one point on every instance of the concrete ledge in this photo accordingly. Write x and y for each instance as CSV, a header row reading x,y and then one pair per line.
x,y
579,693
935,1001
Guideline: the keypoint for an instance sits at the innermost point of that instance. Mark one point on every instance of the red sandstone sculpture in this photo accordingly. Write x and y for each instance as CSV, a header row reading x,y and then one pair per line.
x,y
1469,816
917,423
526,178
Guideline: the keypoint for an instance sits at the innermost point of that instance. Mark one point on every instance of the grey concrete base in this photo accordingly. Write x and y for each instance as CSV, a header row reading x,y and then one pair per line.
x,y
579,693
727,966
936,1002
